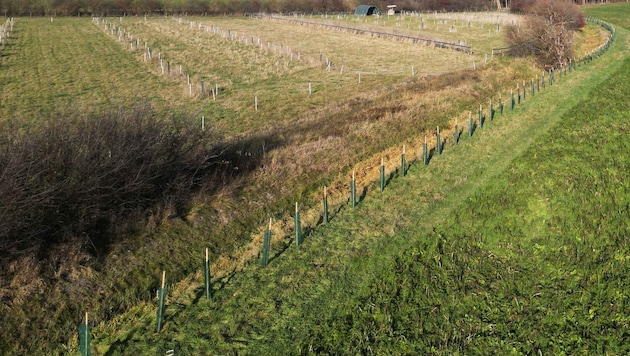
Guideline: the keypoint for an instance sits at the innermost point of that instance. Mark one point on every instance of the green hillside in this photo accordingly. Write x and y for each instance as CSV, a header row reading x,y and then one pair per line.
x,y
513,241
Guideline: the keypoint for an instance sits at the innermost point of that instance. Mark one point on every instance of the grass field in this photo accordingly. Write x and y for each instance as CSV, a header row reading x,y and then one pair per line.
x,y
505,244
51,67
481,31
310,140
280,81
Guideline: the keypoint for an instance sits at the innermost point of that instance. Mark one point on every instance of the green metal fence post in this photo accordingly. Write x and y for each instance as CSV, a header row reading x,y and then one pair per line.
x,y
425,153
480,116
161,303
382,171
325,203
403,162
298,226
266,244
85,338
206,276
439,141
353,191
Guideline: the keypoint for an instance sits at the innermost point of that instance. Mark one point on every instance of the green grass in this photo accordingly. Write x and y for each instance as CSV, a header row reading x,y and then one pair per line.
x,y
69,64
514,241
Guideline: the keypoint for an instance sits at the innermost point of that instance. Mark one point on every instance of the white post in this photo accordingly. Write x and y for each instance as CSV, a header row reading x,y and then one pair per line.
x,y
256,103
203,123
359,77
309,89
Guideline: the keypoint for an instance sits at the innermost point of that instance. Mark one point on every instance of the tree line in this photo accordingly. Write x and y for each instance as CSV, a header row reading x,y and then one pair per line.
x,y
201,7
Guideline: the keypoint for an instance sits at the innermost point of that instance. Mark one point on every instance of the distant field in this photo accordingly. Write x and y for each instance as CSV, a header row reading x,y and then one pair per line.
x,y
51,67
275,75
482,31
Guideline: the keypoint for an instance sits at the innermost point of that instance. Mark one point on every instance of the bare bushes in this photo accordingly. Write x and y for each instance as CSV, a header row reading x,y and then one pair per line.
x,y
547,31
94,176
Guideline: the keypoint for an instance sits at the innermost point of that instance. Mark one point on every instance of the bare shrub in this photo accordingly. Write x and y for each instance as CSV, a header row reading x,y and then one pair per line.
x,y
547,32
93,176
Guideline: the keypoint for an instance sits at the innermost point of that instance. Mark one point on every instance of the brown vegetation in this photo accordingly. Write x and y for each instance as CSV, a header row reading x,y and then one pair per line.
x,y
547,31
90,175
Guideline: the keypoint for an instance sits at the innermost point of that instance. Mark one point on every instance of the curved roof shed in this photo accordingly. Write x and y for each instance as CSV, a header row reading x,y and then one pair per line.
x,y
366,10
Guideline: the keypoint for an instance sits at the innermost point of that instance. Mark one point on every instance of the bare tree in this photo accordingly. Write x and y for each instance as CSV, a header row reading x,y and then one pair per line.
x,y
547,32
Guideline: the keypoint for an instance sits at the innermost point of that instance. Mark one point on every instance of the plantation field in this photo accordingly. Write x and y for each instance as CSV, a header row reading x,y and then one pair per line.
x,y
297,141
481,31
49,68
249,58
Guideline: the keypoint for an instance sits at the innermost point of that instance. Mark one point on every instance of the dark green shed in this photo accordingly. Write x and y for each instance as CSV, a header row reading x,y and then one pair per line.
x,y
366,10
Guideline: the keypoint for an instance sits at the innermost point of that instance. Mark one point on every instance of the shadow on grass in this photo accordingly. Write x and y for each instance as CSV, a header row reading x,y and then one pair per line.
x,y
286,246
363,194
119,345
430,155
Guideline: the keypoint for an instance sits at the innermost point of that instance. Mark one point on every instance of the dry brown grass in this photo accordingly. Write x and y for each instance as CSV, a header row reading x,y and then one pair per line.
x,y
589,38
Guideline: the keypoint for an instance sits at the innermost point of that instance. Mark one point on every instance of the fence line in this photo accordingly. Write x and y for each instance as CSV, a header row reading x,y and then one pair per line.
x,y
386,35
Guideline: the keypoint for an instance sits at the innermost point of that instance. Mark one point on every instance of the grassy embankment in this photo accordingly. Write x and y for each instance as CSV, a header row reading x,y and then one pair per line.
x,y
513,241
79,69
